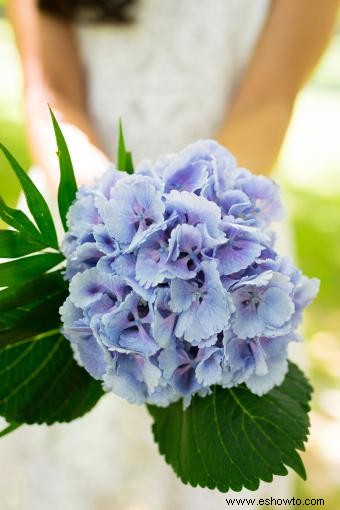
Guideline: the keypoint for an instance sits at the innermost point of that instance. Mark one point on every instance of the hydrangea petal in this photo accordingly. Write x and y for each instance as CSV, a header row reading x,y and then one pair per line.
x,y
194,209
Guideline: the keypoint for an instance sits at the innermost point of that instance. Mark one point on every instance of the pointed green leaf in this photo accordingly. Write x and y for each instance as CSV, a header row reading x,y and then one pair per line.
x,y
15,244
233,438
23,294
9,318
42,317
35,201
41,383
124,157
12,320
24,312
67,185
10,428
129,163
18,220
20,270
121,147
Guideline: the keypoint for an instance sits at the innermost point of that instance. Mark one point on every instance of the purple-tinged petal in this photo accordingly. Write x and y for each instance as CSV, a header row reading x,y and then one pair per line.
x,y
83,213
164,318
275,352
85,256
151,261
209,370
210,310
185,246
182,295
86,288
108,181
243,246
132,378
263,193
187,172
234,202
105,242
194,209
128,328
133,208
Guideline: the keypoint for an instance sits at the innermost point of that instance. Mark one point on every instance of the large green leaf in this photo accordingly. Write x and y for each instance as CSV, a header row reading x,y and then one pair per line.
x,y
26,313
67,186
20,270
18,220
41,383
39,379
24,294
14,244
233,438
35,201
124,157
42,317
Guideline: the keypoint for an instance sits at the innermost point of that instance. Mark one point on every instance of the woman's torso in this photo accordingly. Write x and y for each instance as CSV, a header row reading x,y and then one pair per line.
x,y
171,73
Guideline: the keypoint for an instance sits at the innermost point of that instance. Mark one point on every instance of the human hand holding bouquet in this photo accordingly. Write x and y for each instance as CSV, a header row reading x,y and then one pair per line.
x,y
172,295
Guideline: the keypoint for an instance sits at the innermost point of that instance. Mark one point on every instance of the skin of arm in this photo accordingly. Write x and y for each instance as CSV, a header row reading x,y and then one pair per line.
x,y
293,39
53,75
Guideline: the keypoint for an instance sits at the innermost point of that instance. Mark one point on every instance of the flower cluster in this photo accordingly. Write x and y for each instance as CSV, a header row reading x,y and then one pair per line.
x,y
175,284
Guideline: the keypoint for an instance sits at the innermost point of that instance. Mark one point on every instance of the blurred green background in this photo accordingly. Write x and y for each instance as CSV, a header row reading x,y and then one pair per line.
x,y
309,172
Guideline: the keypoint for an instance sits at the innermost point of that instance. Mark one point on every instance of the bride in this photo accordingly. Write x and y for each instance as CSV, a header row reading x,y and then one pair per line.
x,y
174,72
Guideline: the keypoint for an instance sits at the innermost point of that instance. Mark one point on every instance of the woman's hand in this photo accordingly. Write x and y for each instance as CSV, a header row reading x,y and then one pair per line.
x,y
53,75
292,41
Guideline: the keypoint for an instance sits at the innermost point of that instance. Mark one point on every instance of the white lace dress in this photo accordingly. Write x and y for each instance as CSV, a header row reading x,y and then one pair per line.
x,y
170,77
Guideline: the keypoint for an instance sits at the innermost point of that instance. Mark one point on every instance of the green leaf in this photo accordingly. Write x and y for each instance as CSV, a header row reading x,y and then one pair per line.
x,y
233,438
129,163
42,317
10,428
24,294
35,201
41,383
124,157
14,244
18,220
20,270
67,185
25,313
39,379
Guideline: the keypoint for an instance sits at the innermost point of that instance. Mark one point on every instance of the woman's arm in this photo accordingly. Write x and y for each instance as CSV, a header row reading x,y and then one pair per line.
x,y
292,41
53,75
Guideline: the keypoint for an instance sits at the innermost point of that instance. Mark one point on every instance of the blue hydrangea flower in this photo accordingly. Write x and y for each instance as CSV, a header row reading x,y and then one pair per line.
x,y
83,215
263,305
88,352
128,327
194,209
151,267
244,245
175,284
187,172
163,326
133,377
191,369
132,209
263,193
203,305
261,362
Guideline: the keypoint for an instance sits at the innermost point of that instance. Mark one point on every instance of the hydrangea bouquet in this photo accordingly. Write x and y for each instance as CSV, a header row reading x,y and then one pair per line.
x,y
167,291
